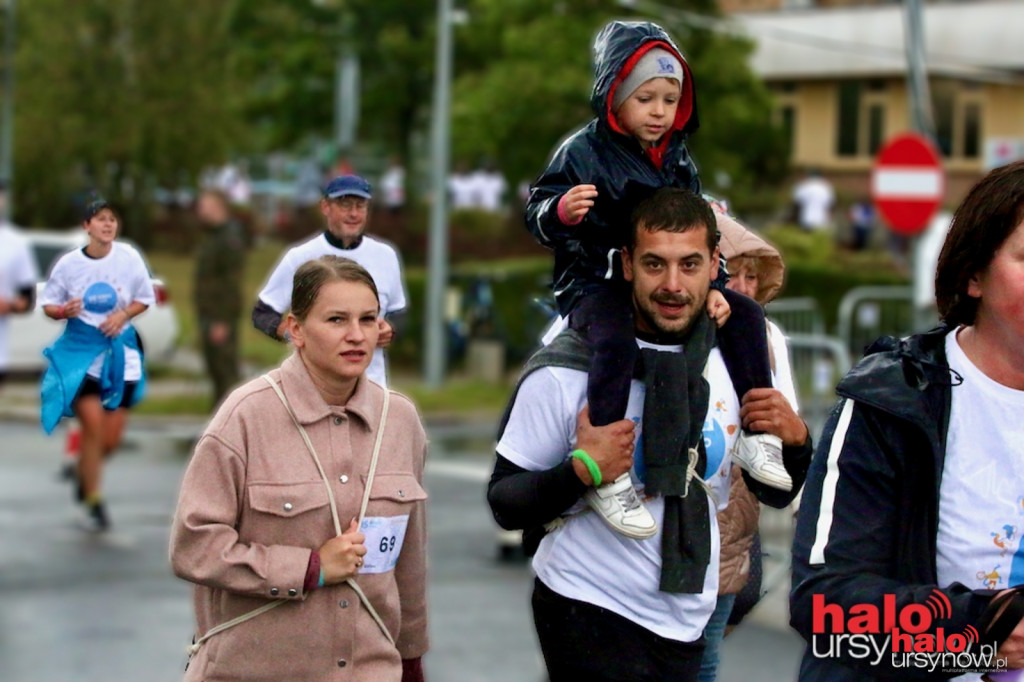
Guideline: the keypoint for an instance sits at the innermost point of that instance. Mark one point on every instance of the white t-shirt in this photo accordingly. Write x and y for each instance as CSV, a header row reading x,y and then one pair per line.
x,y
782,375
981,496
392,184
585,559
104,285
379,259
815,197
488,187
17,272
463,191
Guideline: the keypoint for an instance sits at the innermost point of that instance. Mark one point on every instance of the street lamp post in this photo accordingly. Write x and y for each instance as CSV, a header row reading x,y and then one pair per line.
x,y
437,275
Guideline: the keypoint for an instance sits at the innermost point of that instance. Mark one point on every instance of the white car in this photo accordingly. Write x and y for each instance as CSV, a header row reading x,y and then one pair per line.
x,y
31,333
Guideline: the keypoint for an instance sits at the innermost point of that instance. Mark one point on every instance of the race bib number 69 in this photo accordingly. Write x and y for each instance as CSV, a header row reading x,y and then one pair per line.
x,y
384,536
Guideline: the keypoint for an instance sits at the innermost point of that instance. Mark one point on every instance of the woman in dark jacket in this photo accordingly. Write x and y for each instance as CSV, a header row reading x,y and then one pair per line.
x,y
912,505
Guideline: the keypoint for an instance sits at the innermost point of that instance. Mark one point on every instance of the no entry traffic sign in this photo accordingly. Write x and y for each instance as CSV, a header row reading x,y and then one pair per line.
x,y
908,183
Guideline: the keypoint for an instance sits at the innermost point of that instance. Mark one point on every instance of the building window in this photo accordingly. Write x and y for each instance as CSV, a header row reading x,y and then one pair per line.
x,y
787,121
972,130
943,110
849,118
956,108
786,101
861,121
876,128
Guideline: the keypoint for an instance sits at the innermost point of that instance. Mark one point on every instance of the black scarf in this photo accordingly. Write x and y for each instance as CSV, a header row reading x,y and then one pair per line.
x,y
675,406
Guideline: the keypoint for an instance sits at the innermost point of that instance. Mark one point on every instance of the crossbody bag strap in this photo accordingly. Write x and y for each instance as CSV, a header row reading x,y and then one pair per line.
x,y
334,518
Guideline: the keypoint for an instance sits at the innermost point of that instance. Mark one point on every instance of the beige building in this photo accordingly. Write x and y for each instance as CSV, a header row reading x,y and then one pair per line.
x,y
839,73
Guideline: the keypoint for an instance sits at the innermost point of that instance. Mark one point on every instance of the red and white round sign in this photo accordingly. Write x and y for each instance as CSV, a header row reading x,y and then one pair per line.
x,y
908,183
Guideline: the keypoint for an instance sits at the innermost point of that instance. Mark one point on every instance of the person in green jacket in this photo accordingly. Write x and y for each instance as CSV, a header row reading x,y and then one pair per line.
x,y
216,291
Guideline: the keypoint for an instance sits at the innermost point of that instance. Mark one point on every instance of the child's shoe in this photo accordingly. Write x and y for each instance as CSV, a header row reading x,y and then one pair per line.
x,y
760,454
621,508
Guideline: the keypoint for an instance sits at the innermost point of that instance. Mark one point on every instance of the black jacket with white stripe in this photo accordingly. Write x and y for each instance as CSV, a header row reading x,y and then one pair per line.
x,y
868,520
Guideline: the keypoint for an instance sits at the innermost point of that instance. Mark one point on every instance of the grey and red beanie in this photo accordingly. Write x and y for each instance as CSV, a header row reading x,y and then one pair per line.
x,y
656,63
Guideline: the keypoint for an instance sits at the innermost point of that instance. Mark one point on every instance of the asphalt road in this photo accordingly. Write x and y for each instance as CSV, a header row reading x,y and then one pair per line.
x,y
105,608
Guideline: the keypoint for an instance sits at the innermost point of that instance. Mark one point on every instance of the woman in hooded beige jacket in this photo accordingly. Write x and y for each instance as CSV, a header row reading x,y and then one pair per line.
x,y
254,524
756,270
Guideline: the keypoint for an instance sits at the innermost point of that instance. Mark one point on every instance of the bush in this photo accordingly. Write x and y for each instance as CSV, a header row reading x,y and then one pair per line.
x,y
816,268
516,320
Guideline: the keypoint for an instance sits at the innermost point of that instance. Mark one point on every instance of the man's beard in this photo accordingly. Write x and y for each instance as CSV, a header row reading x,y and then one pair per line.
x,y
668,334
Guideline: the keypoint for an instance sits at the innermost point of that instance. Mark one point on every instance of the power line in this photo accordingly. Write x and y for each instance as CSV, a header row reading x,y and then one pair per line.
x,y
740,28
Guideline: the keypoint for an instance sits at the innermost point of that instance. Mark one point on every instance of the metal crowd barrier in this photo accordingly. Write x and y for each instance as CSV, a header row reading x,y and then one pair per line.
x,y
798,315
818,362
866,313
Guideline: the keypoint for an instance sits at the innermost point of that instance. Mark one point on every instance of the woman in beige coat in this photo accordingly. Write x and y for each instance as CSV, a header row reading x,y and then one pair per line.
x,y
285,524
755,270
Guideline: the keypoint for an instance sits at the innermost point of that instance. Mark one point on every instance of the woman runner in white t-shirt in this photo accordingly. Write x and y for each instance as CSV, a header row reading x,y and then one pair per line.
x,y
96,369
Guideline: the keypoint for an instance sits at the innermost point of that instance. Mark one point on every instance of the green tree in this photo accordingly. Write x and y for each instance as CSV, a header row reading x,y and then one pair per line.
x,y
738,140
124,95
118,96
532,81
524,80
396,42
286,51
283,52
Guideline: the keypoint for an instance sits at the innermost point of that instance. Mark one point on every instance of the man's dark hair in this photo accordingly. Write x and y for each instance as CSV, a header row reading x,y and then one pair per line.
x,y
992,210
672,209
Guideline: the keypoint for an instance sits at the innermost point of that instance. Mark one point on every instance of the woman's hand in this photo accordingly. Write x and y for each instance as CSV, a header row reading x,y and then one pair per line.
x,y
114,323
71,309
341,557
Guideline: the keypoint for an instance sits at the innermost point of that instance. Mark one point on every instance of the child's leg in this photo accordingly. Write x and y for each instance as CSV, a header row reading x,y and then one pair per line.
x,y
743,342
605,319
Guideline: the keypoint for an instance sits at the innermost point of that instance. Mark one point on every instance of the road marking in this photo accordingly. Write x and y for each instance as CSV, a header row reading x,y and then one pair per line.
x,y
467,471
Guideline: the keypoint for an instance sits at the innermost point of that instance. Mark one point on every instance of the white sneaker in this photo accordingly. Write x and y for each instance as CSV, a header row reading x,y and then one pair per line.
x,y
761,455
621,508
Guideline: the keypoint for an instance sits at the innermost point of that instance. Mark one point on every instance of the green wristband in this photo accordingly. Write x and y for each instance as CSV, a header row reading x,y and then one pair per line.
x,y
595,471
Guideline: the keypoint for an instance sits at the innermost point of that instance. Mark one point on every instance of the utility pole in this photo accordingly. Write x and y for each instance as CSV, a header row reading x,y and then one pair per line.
x,y
437,274
346,79
922,122
921,118
346,88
